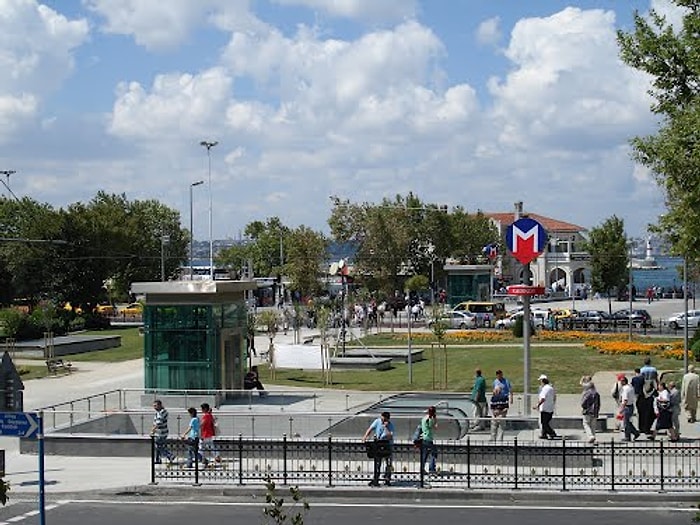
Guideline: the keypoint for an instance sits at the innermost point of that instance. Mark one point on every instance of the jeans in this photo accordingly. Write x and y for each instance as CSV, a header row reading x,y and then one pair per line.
x,y
428,448
378,468
193,451
161,449
628,426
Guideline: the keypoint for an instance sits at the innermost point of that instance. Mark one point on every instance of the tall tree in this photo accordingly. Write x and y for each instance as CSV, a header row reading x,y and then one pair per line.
x,y
268,246
671,55
607,245
306,255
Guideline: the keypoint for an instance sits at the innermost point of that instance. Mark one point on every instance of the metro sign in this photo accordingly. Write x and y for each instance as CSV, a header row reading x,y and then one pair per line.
x,y
526,239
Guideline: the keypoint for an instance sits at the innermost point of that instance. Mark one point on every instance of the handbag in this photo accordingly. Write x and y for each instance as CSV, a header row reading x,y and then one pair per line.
x,y
379,448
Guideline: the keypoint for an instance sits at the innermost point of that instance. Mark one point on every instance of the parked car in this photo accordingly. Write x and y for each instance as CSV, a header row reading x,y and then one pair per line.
x,y
590,318
639,318
677,321
132,310
538,319
455,319
105,309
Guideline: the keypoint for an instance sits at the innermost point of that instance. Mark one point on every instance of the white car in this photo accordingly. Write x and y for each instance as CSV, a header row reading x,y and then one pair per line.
x,y
539,319
677,321
460,320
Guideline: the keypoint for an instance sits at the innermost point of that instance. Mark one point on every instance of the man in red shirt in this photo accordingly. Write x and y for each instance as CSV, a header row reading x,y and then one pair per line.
x,y
207,431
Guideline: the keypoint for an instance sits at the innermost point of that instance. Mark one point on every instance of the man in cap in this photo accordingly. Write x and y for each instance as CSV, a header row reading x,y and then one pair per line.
x,y
690,390
546,407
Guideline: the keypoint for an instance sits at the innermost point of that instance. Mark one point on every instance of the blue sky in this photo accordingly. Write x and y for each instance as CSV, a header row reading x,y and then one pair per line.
x,y
476,103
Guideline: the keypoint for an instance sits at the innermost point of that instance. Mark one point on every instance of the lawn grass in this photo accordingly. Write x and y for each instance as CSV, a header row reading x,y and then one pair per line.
x,y
131,347
563,364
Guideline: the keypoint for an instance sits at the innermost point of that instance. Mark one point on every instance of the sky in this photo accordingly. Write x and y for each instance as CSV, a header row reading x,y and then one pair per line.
x,y
471,103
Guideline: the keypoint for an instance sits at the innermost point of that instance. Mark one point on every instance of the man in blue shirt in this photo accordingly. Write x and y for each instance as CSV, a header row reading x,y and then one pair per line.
x,y
383,431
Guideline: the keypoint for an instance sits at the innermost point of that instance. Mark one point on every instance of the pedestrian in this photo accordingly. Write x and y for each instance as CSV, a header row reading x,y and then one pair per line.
x,y
501,398
251,381
382,430
545,404
645,405
478,397
428,447
627,401
207,431
675,399
590,407
662,410
160,432
690,391
191,437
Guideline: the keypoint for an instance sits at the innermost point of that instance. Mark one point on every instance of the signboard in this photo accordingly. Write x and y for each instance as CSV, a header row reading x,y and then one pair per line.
x,y
19,424
524,289
526,239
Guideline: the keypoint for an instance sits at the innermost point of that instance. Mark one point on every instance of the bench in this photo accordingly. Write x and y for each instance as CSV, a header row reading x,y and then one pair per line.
x,y
58,365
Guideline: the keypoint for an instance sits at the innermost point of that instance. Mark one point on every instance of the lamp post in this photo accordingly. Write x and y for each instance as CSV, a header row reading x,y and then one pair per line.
x,y
209,146
163,240
199,182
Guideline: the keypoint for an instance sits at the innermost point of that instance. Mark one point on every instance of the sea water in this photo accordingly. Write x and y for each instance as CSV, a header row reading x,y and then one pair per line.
x,y
669,275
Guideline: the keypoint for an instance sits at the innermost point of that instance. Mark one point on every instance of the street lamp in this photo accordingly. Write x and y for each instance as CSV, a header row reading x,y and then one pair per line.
x,y
209,146
164,239
199,182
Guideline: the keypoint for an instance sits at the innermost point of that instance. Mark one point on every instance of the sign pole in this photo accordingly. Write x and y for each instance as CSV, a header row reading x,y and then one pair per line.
x,y
526,342
42,484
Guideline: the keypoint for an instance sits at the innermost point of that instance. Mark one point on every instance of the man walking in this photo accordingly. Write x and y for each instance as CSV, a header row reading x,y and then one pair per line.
x,y
478,397
501,398
590,406
383,430
690,391
627,400
159,431
546,407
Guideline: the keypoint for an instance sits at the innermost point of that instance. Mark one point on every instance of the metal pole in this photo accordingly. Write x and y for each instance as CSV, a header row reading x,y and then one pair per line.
x,y
526,341
410,357
42,481
685,317
629,292
192,226
209,146
162,256
7,174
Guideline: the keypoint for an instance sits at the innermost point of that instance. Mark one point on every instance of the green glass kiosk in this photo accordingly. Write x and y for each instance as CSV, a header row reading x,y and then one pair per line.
x,y
194,334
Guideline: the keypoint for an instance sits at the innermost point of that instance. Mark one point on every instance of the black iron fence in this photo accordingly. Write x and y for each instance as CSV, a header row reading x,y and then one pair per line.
x,y
556,465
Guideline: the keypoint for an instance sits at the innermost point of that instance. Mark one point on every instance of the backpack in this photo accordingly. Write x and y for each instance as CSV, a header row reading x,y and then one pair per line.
x,y
417,436
649,387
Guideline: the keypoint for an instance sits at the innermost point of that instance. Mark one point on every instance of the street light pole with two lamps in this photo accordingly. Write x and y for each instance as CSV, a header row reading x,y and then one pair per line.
x,y
192,185
209,146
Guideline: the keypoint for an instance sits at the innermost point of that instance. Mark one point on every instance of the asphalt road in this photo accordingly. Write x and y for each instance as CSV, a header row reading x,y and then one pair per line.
x,y
155,512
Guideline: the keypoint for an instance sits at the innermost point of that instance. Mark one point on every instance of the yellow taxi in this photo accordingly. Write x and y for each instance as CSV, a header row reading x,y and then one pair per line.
x,y
132,310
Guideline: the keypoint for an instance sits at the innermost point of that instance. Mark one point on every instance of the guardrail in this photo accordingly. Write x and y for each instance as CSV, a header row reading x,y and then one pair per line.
x,y
649,466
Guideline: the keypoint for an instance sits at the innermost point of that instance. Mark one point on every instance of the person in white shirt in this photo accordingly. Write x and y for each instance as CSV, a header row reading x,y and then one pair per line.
x,y
627,401
546,408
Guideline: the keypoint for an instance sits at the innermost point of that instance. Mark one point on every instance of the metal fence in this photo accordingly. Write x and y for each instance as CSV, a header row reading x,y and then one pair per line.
x,y
559,465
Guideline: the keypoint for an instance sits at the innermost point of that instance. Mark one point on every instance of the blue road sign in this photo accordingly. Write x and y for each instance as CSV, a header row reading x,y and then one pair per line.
x,y
19,424
526,239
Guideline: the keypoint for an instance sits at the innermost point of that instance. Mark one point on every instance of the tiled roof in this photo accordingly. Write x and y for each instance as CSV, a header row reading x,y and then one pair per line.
x,y
549,224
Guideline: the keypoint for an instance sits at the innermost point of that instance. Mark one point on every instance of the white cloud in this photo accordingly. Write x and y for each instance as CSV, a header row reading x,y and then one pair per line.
x,y
489,32
160,25
36,56
568,88
372,10
177,106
